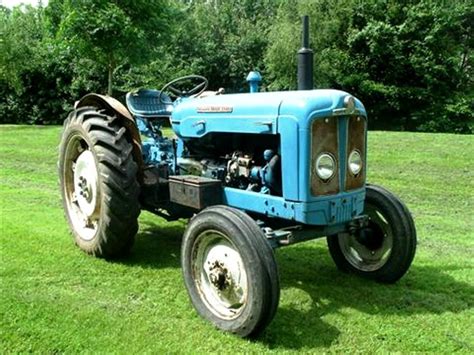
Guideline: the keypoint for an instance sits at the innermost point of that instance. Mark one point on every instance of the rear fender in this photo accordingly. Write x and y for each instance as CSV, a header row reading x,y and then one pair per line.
x,y
110,104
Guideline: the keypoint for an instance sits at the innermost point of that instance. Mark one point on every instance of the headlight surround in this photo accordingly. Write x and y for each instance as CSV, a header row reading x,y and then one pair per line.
x,y
325,166
354,162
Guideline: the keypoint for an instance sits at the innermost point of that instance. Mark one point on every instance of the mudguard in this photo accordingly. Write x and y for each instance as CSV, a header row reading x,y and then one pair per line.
x,y
111,104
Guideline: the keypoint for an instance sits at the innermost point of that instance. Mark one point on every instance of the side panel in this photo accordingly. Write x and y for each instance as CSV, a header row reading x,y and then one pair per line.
x,y
326,211
200,125
290,151
245,113
256,202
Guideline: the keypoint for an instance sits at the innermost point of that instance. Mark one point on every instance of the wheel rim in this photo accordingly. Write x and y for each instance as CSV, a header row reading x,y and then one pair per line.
x,y
81,187
219,274
373,254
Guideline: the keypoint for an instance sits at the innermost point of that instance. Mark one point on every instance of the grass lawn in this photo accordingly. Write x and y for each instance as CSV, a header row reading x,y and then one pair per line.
x,y
54,298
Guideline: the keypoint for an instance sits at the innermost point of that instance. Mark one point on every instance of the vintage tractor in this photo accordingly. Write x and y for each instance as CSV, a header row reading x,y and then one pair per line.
x,y
252,171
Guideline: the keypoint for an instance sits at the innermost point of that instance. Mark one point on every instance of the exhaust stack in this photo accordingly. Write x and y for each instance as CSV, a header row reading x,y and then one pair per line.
x,y
305,60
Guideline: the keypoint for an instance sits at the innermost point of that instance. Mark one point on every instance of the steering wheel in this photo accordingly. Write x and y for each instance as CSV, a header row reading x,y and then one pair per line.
x,y
184,86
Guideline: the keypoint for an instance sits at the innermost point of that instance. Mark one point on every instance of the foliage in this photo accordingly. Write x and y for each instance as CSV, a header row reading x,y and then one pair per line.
x,y
113,33
410,62
33,79
21,41
56,299
221,40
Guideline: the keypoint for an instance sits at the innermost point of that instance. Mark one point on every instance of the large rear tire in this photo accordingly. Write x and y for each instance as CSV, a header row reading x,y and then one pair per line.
x,y
230,271
98,181
385,249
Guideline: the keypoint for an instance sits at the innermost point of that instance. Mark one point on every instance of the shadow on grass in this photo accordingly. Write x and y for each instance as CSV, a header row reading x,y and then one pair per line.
x,y
310,272
156,246
312,288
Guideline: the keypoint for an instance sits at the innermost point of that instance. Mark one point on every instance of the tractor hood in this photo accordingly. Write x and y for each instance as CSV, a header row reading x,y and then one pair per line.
x,y
255,113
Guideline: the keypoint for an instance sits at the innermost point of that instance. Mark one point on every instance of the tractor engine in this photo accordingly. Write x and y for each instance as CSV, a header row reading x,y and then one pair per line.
x,y
236,160
239,170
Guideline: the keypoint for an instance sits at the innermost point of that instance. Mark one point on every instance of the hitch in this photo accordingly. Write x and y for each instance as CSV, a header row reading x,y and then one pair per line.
x,y
298,233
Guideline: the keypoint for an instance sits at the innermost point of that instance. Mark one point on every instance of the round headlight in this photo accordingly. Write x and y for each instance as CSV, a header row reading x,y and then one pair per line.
x,y
355,162
325,166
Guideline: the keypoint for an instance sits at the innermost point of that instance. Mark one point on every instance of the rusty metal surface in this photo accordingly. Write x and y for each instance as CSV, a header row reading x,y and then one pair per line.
x,y
195,191
324,138
356,140
109,103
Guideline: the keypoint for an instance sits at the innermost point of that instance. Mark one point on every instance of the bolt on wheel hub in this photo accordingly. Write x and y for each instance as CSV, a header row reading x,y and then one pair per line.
x,y
85,183
220,274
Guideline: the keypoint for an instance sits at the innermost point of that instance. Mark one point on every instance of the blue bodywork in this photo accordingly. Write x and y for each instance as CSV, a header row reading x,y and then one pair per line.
x,y
288,115
150,114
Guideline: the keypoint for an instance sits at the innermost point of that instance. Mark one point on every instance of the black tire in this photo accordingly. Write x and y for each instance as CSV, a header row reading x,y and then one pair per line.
x,y
236,231
391,234
268,257
99,145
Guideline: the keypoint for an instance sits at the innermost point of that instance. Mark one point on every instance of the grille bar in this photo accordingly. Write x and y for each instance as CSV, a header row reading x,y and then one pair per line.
x,y
324,139
356,141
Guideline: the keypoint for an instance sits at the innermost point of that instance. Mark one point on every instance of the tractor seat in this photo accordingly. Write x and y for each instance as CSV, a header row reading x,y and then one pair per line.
x,y
146,103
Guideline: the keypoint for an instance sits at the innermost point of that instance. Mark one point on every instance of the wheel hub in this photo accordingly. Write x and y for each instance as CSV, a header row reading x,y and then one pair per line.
x,y
371,237
219,276
85,183
368,247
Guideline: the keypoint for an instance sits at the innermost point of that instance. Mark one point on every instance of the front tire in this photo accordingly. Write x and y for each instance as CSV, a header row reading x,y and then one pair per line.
x,y
230,271
99,188
385,249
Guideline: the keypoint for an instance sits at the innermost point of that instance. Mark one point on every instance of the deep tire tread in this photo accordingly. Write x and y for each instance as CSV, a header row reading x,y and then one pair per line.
x,y
108,139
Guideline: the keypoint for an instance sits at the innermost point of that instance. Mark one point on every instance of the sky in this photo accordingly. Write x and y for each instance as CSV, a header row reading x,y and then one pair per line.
x,y
11,3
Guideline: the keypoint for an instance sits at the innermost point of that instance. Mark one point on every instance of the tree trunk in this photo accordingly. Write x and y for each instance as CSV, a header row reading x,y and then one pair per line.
x,y
111,74
110,79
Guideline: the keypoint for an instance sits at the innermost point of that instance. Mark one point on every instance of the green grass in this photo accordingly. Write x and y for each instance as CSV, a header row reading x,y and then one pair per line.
x,y
54,298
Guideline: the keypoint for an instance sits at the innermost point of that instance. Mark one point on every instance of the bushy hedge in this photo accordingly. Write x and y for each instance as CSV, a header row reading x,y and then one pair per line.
x,y
410,62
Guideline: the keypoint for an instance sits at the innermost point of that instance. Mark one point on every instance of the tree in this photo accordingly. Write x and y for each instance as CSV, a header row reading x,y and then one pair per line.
x,y
24,79
410,62
114,33
22,32
222,40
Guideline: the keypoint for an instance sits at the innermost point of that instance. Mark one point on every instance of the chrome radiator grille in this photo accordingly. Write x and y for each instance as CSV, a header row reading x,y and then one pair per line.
x,y
325,138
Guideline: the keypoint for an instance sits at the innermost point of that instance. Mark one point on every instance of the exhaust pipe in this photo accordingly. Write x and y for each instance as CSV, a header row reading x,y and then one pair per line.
x,y
305,60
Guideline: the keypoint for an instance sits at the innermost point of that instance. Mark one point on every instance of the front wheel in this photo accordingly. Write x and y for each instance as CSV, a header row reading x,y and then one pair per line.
x,y
384,249
230,271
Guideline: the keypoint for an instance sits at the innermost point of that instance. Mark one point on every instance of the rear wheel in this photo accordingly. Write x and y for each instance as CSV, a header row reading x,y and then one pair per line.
x,y
384,249
98,182
230,271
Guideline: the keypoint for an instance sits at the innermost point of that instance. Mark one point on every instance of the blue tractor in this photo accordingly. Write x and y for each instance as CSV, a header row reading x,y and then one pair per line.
x,y
252,171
